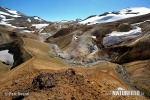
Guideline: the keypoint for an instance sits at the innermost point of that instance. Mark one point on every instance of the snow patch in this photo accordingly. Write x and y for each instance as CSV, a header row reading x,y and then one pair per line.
x,y
39,26
94,37
6,24
119,88
139,10
75,38
29,20
8,19
13,12
134,31
20,28
6,57
2,16
118,37
37,18
135,24
3,13
27,31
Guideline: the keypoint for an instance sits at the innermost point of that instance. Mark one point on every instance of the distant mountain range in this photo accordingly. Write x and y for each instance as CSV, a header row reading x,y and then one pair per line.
x,y
8,16
116,15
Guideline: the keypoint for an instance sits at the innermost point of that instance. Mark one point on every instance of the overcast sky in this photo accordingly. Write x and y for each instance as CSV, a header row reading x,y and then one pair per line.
x,y
56,10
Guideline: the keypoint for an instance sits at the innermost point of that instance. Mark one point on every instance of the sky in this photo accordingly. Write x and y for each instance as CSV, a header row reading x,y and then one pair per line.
x,y
57,10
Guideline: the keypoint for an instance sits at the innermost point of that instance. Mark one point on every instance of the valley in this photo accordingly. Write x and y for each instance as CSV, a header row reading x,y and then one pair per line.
x,y
72,60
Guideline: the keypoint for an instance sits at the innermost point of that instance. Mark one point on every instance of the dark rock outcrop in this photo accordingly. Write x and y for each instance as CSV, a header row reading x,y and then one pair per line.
x,y
124,27
137,49
10,41
44,80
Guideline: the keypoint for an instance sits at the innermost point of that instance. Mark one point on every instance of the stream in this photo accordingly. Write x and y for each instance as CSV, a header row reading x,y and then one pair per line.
x,y
119,71
124,76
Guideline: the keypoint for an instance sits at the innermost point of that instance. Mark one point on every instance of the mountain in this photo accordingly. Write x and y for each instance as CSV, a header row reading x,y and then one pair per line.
x,y
16,21
19,22
114,16
124,42
72,61
15,17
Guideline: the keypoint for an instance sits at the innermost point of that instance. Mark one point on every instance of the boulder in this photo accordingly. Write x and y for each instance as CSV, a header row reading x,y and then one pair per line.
x,y
125,27
44,80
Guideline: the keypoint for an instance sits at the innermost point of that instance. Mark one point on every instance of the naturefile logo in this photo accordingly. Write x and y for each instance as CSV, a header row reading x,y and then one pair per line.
x,y
122,92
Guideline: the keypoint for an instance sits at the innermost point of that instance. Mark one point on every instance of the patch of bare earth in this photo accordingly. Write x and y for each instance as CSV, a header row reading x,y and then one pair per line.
x,y
139,75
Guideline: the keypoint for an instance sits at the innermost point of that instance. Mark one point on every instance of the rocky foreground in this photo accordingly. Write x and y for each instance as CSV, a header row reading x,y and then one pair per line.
x,y
43,77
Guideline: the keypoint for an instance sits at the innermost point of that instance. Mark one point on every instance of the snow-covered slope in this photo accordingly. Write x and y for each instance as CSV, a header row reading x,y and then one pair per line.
x,y
11,18
19,22
114,16
9,13
7,16
118,37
